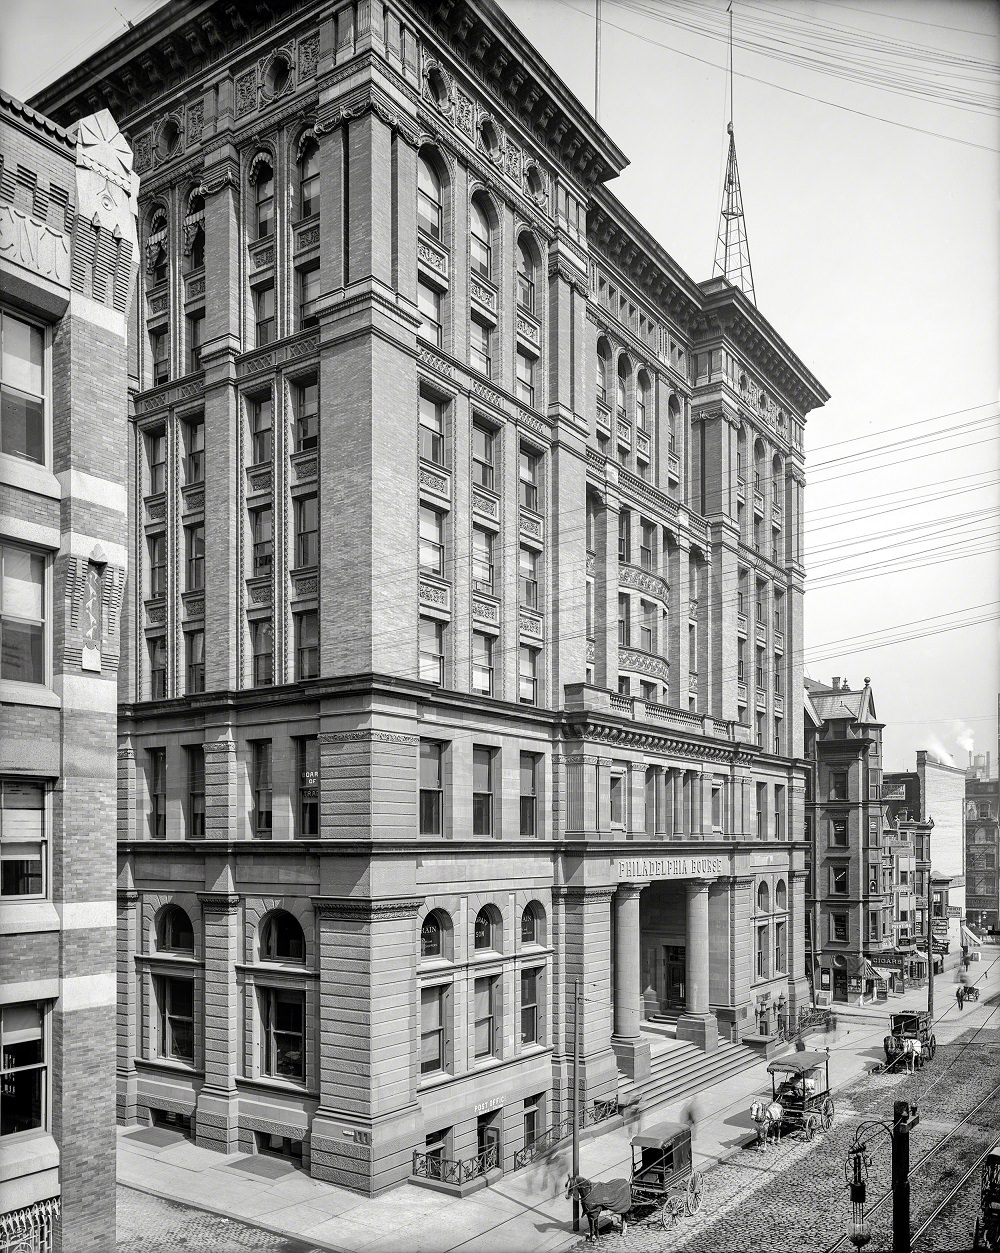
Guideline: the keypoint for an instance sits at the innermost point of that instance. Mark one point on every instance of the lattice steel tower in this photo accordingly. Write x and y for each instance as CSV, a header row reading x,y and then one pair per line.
x,y
732,251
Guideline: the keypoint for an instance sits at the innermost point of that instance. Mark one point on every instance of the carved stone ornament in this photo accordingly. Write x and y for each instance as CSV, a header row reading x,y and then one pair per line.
x,y
437,363
371,910
246,92
195,121
219,902
368,735
308,55
435,482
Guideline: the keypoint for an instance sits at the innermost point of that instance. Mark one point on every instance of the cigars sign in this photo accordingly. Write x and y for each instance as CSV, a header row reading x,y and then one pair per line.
x,y
631,868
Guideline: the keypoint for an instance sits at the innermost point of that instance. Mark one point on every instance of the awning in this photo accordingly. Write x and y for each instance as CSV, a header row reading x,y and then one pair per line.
x,y
970,937
884,975
868,971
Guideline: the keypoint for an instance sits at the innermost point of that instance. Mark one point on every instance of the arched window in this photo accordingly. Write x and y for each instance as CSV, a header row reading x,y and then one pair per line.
x,y
480,233
429,208
759,462
525,278
174,931
763,899
780,896
622,387
674,419
532,924
487,930
603,365
281,939
263,181
435,934
194,230
641,391
776,474
157,246
309,179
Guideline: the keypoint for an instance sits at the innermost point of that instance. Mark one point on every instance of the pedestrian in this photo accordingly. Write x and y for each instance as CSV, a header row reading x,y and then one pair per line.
x,y
960,998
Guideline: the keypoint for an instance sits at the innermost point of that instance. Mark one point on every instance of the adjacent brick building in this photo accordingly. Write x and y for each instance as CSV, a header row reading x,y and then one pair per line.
x,y
467,536
67,273
982,847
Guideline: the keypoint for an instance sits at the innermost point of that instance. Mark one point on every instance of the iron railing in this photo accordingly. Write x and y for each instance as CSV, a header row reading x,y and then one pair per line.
x,y
450,1170
600,1111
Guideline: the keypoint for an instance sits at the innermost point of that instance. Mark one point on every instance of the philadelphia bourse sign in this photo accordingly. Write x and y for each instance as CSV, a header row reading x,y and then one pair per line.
x,y
632,868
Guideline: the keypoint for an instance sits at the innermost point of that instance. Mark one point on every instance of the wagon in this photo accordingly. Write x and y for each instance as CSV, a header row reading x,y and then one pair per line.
x,y
800,1084
663,1180
987,1234
911,1025
969,990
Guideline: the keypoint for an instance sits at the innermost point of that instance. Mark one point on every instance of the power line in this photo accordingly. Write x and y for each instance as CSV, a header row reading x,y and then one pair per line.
x,y
889,430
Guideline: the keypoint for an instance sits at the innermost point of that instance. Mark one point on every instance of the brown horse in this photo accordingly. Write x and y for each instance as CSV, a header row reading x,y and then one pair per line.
x,y
613,1195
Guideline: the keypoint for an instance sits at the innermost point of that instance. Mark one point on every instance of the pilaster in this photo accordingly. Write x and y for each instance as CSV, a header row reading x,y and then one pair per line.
x,y
217,1111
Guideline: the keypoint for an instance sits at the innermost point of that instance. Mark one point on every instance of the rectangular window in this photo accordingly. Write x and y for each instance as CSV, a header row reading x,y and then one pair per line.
x,y
156,546
156,784
647,541
283,1033
533,1119
429,308
22,838
838,785
482,791
305,410
264,202
528,466
156,457
624,625
482,559
309,287
525,377
779,811
195,758
838,880
431,651
527,675
195,330
531,1025
432,1029
617,790
261,414
263,314
307,644
431,527
22,615
194,648
528,577
838,926
309,175
483,446
431,788
157,647
529,794
482,663
260,785
262,539
262,648
23,1068
306,530
647,626
194,545
307,789
194,451
159,344
485,994
762,952
480,347
838,832
624,536
780,947
22,389
431,421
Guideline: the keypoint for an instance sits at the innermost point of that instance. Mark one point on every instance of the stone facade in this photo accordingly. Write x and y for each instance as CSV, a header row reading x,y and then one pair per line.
x,y
67,265
467,539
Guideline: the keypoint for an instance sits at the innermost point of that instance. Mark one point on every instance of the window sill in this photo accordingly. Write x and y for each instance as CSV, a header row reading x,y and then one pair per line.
x,y
21,916
27,1153
29,476
436,1080
266,1083
35,694
169,1065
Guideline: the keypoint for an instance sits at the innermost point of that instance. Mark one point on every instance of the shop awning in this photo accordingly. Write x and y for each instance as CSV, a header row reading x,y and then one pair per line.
x,y
868,971
970,937
884,975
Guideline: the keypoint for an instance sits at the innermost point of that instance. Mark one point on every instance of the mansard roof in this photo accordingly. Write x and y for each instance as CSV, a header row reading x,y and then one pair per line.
x,y
835,703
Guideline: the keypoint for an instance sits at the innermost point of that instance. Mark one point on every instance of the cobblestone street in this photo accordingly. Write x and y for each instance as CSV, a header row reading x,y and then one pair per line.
x,y
149,1224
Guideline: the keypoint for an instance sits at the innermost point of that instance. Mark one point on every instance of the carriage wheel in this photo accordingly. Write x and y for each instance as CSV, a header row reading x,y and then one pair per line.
x,y
826,1113
667,1214
810,1125
933,1047
696,1185
887,1046
977,1239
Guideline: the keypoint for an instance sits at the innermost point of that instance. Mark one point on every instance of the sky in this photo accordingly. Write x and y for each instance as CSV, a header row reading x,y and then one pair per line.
x,y
868,137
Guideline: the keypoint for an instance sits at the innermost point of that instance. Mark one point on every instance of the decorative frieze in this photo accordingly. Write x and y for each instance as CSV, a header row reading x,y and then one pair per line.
x,y
483,293
304,469
530,624
307,237
527,328
643,663
488,506
644,581
194,606
531,525
259,590
433,256
435,482
436,363
436,594
261,257
260,480
246,92
368,910
486,610
489,395
368,734
305,585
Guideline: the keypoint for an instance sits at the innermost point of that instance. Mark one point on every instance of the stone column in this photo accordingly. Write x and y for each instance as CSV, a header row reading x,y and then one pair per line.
x,y
587,957
631,1051
128,1045
677,796
698,1023
217,1113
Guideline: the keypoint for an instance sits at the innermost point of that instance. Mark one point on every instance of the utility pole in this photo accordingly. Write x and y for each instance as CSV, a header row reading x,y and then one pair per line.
x,y
930,939
576,1099
904,1119
597,61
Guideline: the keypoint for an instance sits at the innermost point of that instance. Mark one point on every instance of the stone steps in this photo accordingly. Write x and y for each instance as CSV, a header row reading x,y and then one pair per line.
x,y
684,1070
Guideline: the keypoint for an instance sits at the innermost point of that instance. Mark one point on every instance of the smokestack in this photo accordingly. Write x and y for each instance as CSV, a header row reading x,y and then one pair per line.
x,y
970,756
988,775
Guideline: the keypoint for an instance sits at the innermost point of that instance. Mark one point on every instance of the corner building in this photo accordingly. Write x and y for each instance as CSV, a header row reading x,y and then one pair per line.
x,y
67,274
467,531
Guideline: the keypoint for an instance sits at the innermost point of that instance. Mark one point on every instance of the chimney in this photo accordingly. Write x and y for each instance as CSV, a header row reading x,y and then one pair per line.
x,y
987,775
836,682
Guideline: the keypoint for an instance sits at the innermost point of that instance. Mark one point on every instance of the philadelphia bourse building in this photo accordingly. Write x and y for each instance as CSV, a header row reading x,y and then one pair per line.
x,y
463,647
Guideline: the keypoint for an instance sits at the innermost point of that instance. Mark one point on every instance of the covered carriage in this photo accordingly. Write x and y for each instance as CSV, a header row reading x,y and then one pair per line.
x,y
987,1234
914,1024
800,1085
663,1180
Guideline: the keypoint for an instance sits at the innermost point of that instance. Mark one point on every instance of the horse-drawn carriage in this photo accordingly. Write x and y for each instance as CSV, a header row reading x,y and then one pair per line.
x,y
906,1027
969,990
800,1097
663,1183
987,1234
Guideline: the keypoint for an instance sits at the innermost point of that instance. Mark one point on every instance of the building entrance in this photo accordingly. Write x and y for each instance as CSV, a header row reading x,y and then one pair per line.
x,y
488,1139
675,970
840,985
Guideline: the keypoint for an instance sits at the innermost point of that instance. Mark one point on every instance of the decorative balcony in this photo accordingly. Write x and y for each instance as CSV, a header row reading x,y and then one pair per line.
x,y
741,623
435,593
643,581
760,633
306,236
591,561
775,513
531,525
483,294
433,256
641,662
486,608
642,443
741,490
673,467
758,502
761,698
779,704
778,641
435,481
741,694
527,329
486,504
529,623
603,417
624,431
262,255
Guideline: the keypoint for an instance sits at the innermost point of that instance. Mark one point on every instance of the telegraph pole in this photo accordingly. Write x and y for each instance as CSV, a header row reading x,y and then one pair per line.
x,y
576,1099
930,942
904,1119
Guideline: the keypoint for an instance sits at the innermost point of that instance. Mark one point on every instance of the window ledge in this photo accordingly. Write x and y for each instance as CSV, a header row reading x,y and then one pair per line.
x,y
29,476
268,1084
27,1153
169,1066
24,917
37,694
434,1081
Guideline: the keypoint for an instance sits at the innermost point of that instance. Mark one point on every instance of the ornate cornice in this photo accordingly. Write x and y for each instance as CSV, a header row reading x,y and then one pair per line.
x,y
219,746
648,739
380,910
602,893
367,735
219,902
126,899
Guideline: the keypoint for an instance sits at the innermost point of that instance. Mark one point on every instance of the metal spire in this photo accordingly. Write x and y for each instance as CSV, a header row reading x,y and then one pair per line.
x,y
732,250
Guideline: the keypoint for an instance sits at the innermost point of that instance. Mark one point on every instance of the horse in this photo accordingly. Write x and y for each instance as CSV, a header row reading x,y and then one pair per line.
x,y
912,1051
766,1117
613,1195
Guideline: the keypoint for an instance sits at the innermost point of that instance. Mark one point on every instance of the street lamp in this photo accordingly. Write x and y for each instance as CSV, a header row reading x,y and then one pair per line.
x,y
904,1119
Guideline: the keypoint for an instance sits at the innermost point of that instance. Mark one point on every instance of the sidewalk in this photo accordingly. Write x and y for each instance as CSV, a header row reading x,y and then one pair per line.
x,y
525,1210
